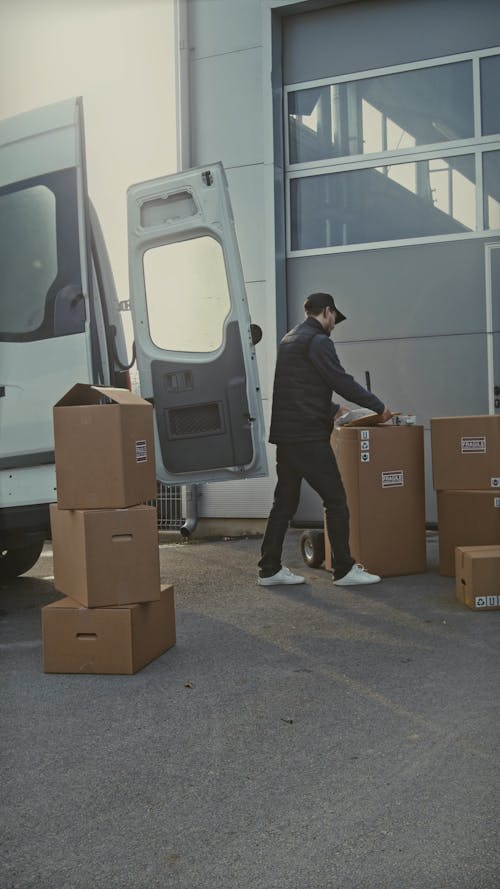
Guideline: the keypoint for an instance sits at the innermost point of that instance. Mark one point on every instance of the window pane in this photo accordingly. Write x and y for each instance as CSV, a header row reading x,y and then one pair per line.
x,y
187,295
386,113
491,189
40,282
410,200
28,257
490,95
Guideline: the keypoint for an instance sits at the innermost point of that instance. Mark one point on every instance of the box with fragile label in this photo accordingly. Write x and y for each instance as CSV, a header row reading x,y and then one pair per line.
x,y
466,518
106,556
382,469
477,571
104,448
466,453
119,639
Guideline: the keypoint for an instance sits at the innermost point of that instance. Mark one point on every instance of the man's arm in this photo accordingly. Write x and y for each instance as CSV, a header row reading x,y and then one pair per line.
x,y
323,356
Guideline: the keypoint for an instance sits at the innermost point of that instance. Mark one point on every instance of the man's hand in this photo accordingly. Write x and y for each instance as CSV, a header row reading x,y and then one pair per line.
x,y
341,412
386,415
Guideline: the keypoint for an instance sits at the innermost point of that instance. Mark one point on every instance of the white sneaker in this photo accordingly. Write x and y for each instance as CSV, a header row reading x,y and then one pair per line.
x,y
283,576
357,574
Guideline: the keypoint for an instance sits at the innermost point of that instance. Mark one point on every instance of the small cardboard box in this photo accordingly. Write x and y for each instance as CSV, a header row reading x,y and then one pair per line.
x,y
466,453
120,639
106,556
478,576
466,518
104,448
382,469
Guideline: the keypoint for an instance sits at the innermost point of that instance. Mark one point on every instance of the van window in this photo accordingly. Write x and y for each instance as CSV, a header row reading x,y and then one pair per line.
x,y
28,256
187,279
39,258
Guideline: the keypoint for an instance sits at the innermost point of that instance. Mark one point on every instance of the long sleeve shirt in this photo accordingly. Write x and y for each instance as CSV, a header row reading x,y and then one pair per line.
x,y
323,356
308,371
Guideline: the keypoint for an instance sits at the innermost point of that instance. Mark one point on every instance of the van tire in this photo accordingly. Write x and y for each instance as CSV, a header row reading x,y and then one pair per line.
x,y
14,562
312,547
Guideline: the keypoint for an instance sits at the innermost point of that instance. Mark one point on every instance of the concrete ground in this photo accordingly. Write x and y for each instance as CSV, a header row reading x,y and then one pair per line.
x,y
295,738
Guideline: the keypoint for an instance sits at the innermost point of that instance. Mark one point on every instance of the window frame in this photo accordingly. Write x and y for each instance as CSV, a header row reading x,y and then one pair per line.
x,y
475,145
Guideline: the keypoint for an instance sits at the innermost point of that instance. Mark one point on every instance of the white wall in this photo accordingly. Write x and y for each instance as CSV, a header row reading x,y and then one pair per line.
x,y
118,55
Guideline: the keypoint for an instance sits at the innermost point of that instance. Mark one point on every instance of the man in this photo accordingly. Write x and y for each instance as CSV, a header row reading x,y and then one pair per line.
x,y
307,372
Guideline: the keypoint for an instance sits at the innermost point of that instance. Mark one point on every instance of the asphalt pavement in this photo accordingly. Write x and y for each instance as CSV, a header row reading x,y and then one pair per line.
x,y
305,737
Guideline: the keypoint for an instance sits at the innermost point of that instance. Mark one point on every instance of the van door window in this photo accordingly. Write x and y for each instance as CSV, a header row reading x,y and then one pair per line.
x,y
28,256
40,286
187,279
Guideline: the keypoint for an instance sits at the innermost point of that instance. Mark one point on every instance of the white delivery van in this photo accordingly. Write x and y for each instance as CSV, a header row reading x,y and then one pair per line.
x,y
60,322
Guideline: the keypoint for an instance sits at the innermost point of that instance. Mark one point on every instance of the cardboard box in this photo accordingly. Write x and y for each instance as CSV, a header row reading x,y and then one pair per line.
x,y
466,518
382,469
466,453
104,448
477,570
106,556
120,639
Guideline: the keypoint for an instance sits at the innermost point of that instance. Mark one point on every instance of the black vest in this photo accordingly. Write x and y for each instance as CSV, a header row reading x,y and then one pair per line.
x,y
302,401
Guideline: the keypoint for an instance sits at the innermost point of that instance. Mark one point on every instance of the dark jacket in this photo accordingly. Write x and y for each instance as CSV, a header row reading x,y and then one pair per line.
x,y
308,371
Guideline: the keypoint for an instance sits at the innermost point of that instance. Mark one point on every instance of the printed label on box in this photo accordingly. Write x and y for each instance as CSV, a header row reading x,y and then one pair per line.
x,y
495,482
392,479
365,434
486,601
473,444
496,502
365,457
141,451
365,445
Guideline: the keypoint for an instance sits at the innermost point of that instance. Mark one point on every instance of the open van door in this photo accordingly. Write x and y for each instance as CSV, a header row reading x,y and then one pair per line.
x,y
45,317
193,337
44,291
48,331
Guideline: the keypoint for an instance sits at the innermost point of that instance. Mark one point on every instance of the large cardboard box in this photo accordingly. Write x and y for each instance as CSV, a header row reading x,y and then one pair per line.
x,y
382,469
477,570
466,453
120,639
106,556
466,518
104,448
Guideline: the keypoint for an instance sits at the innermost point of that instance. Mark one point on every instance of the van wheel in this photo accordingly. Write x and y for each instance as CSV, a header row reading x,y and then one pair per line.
x,y
312,547
14,562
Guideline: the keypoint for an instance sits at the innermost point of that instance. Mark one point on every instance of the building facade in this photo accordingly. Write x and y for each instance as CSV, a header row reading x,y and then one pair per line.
x,y
361,142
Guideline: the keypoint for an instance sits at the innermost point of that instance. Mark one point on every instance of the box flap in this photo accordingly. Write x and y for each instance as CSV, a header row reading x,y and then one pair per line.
x,y
84,393
480,552
68,603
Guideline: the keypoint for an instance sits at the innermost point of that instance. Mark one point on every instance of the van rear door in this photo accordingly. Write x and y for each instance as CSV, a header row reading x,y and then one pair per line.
x,y
195,351
45,319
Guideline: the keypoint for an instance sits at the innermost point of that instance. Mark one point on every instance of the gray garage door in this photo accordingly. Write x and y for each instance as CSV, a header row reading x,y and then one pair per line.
x,y
392,192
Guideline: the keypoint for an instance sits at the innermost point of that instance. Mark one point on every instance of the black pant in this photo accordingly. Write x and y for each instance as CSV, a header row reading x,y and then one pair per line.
x,y
314,461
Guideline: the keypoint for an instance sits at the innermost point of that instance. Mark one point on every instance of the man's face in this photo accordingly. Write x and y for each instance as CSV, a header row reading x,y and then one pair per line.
x,y
331,317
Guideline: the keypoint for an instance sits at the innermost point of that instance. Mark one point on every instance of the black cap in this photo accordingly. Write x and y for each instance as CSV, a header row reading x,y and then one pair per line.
x,y
315,302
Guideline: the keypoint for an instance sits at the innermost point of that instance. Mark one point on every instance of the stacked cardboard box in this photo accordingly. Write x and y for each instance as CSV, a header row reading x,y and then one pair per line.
x,y
466,476
478,576
115,618
382,469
